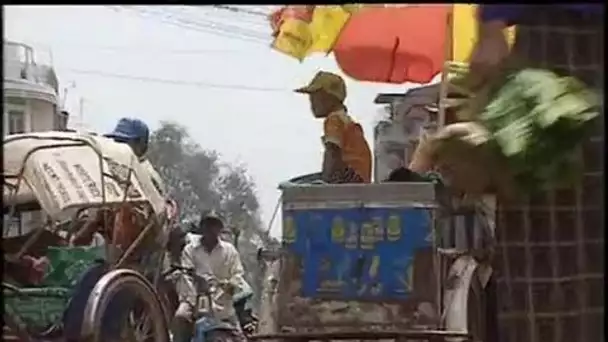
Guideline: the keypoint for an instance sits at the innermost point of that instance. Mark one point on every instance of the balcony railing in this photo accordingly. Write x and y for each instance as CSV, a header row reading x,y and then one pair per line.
x,y
20,64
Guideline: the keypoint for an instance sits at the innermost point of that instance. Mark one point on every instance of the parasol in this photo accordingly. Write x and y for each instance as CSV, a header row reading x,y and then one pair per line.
x,y
380,43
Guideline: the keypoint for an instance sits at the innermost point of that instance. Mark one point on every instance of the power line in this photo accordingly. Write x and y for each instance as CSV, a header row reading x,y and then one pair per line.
x,y
190,25
197,20
146,14
138,49
169,81
256,21
241,10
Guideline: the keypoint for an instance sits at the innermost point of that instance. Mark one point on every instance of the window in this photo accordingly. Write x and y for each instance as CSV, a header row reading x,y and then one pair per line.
x,y
15,52
12,225
16,101
16,121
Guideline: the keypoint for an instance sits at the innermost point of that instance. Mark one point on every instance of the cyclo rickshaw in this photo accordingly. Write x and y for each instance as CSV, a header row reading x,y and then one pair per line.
x,y
401,261
55,291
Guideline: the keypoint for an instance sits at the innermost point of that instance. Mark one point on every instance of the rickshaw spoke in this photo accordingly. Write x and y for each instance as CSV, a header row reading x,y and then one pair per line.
x,y
141,327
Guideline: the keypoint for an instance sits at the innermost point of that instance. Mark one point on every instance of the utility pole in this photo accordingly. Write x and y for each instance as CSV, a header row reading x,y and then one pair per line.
x,y
72,85
81,114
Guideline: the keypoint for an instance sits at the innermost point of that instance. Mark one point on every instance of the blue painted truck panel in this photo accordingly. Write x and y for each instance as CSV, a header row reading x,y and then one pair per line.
x,y
357,253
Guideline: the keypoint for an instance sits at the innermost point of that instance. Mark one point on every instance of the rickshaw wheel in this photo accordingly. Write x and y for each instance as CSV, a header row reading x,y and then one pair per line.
x,y
168,295
145,321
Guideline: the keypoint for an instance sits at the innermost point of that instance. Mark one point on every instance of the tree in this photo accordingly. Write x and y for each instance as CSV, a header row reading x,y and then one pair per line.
x,y
199,181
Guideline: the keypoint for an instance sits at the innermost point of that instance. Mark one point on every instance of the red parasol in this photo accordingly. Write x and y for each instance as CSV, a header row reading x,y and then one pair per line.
x,y
371,43
394,44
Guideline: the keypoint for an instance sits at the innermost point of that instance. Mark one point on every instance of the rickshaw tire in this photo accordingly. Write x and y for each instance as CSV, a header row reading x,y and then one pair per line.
x,y
169,299
146,293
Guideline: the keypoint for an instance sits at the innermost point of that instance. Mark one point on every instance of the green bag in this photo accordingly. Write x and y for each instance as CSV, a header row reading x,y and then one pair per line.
x,y
38,308
68,264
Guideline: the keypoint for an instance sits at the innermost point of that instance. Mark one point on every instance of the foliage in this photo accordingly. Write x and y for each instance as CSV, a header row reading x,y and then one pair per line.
x,y
536,120
199,181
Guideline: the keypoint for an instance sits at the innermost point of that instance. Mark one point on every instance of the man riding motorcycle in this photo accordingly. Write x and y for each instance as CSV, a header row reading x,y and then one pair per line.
x,y
218,263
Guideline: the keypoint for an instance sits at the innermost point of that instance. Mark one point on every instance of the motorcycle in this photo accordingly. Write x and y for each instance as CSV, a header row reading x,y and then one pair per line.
x,y
205,321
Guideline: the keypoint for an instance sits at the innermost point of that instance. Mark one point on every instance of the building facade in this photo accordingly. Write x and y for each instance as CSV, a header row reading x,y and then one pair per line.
x,y
396,135
30,104
31,99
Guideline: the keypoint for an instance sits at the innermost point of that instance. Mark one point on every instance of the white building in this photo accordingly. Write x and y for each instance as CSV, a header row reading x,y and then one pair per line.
x,y
396,135
31,101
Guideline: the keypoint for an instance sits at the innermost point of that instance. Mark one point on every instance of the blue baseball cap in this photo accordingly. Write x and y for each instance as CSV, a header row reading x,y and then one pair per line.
x,y
130,129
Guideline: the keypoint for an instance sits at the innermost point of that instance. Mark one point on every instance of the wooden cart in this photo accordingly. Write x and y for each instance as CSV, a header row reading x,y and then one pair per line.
x,y
391,261
62,176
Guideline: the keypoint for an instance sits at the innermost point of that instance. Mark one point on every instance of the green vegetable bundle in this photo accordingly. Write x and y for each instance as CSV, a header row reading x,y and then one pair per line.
x,y
536,120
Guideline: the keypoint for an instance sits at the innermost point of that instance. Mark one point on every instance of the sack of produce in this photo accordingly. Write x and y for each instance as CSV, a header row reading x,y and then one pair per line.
x,y
528,126
538,120
465,158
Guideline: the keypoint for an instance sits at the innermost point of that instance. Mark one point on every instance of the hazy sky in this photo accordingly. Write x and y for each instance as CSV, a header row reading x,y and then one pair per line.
x,y
271,131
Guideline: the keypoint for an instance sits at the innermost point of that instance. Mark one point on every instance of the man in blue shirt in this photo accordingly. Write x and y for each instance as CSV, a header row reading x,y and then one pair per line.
x,y
551,273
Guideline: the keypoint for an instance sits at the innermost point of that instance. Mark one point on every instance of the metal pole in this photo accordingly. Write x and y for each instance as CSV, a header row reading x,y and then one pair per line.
x,y
72,85
81,114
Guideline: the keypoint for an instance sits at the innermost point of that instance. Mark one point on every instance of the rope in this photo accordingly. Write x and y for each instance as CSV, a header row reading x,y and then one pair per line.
x,y
275,212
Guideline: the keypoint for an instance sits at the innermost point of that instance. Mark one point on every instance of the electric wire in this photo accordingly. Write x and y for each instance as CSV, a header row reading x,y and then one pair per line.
x,y
171,18
236,9
133,48
190,25
189,16
170,81
242,18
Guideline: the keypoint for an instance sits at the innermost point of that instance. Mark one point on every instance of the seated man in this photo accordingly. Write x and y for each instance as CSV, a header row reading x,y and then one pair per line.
x,y
134,133
347,157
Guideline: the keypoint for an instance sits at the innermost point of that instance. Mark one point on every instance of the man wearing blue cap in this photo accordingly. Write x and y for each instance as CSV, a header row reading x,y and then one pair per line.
x,y
133,132
136,134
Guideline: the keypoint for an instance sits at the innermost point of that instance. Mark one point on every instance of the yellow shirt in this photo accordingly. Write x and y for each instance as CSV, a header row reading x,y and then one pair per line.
x,y
340,129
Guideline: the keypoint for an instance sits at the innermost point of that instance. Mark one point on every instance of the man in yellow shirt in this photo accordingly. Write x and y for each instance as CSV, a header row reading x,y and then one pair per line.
x,y
347,157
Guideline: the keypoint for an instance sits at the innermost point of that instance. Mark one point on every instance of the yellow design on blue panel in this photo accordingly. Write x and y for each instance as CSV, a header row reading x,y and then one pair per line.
x,y
367,236
393,230
374,267
408,279
352,240
409,286
338,230
289,230
378,229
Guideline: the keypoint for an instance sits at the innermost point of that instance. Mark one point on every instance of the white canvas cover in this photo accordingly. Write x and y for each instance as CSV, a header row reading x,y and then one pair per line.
x,y
66,173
